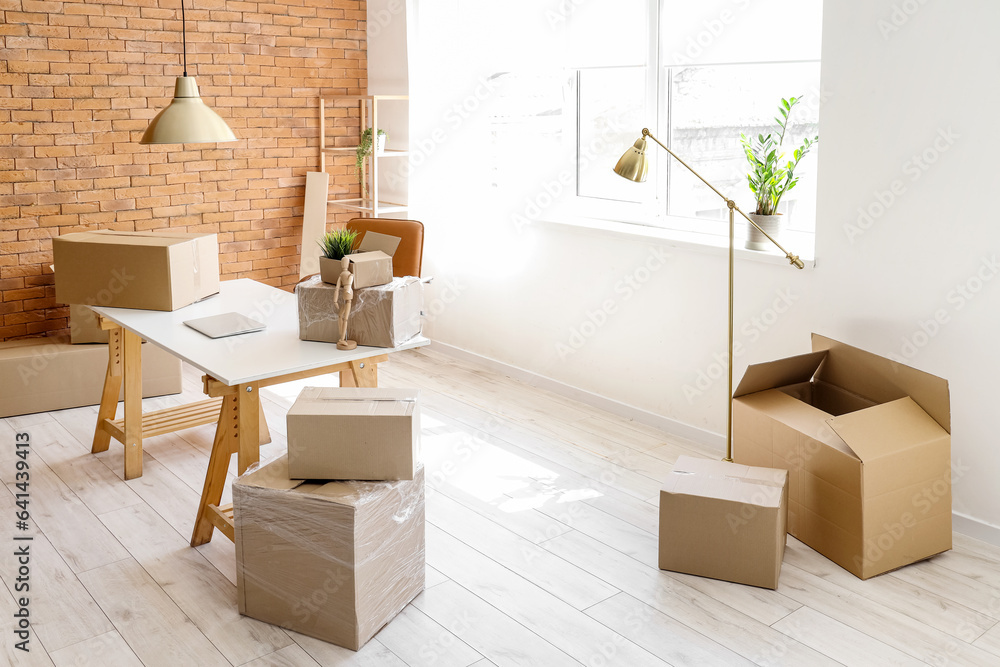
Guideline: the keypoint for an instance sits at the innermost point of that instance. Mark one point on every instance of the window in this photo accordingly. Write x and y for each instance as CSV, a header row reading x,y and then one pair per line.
x,y
696,74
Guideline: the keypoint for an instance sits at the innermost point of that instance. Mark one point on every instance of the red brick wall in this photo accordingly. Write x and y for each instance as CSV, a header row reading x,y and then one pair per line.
x,y
79,82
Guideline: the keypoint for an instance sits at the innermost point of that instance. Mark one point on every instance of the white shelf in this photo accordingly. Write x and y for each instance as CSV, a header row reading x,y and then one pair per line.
x,y
368,112
365,206
388,152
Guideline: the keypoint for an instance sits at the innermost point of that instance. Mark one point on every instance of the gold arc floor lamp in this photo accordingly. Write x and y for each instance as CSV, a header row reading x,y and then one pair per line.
x,y
187,119
633,166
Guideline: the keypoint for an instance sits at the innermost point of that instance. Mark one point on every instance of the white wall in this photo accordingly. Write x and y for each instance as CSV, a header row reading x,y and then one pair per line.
x,y
896,86
388,75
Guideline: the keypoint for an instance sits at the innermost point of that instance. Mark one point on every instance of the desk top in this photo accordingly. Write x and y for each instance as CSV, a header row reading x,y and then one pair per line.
x,y
234,360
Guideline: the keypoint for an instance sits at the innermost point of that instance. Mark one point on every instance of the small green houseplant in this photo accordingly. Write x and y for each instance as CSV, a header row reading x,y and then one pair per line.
x,y
335,245
364,150
771,177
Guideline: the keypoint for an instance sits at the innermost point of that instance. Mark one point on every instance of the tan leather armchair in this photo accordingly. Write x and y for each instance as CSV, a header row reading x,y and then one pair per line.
x,y
410,254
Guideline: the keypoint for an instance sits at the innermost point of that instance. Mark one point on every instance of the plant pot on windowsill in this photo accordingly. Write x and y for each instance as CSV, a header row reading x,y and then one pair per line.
x,y
772,224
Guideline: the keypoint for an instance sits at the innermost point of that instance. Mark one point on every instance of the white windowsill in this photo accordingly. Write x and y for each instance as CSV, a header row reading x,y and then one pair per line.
x,y
799,243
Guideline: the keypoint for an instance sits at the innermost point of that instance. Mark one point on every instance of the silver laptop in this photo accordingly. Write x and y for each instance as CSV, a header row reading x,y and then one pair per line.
x,y
226,324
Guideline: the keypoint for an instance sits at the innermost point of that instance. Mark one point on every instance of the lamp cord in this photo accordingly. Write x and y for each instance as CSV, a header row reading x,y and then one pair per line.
x,y
184,46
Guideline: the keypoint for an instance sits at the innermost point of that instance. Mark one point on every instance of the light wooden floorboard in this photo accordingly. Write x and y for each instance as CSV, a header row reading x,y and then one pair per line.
x,y
148,620
542,523
107,650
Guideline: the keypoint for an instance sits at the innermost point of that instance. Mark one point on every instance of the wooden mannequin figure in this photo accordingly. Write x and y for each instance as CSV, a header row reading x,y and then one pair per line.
x,y
345,281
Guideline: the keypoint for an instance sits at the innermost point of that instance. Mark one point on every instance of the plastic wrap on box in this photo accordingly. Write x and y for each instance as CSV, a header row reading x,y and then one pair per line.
x,y
381,316
332,560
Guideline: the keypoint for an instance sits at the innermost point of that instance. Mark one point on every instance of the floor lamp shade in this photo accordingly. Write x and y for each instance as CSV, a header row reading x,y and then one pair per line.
x,y
633,164
187,119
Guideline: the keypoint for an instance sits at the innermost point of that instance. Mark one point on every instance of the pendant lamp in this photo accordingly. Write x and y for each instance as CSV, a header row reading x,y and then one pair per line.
x,y
187,119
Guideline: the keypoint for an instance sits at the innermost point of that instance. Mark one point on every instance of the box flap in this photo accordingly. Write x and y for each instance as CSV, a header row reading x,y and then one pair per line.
x,y
726,481
354,401
375,241
886,429
368,256
128,238
883,380
772,374
269,475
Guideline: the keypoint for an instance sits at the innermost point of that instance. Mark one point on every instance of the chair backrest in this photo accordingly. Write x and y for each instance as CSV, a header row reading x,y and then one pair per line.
x,y
410,254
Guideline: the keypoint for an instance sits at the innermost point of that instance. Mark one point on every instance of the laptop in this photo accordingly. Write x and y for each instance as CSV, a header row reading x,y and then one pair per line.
x,y
226,324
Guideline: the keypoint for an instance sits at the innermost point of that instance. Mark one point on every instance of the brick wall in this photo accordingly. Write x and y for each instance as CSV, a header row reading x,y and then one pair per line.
x,y
79,82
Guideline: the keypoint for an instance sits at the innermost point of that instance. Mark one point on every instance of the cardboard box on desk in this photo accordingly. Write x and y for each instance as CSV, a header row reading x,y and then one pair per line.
x,y
148,270
724,521
381,316
354,433
43,374
371,265
335,560
866,443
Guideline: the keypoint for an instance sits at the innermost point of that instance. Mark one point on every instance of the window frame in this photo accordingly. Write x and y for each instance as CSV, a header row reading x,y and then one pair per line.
x,y
653,214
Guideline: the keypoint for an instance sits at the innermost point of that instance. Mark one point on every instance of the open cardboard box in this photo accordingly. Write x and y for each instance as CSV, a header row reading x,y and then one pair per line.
x,y
867,445
371,265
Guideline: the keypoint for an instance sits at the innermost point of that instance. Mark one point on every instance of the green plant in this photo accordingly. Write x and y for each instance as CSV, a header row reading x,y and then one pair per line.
x,y
769,180
338,243
364,150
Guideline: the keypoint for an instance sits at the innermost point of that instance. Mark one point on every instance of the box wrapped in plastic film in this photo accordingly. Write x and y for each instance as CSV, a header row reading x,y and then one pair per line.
x,y
332,560
381,316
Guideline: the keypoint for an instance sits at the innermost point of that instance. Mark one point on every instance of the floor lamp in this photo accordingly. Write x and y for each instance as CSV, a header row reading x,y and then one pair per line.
x,y
633,166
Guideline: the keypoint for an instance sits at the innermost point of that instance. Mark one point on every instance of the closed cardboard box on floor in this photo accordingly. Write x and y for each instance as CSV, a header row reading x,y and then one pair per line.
x,y
354,433
43,374
335,560
724,520
147,270
866,444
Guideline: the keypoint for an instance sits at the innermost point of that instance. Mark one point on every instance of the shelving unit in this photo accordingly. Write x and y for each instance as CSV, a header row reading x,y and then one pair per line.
x,y
368,106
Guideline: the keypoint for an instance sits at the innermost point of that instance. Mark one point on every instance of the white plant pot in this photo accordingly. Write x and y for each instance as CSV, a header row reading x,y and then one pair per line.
x,y
771,224
380,141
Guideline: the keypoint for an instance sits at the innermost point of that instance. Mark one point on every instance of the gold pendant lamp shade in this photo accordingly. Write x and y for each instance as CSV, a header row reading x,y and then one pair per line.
x,y
633,164
187,119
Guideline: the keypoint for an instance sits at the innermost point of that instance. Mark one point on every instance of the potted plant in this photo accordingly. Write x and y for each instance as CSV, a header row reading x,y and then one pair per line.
x,y
770,179
335,246
364,150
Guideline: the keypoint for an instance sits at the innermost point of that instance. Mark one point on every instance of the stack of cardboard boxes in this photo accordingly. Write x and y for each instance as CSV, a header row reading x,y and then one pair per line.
x,y
330,537
150,270
385,311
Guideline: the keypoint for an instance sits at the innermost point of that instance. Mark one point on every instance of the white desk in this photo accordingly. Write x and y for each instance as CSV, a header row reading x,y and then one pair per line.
x,y
236,368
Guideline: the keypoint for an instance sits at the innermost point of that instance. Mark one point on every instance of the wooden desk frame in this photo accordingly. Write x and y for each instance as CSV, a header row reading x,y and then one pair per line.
x,y
236,410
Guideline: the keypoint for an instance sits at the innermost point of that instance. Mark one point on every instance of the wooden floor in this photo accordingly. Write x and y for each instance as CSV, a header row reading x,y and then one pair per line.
x,y
541,550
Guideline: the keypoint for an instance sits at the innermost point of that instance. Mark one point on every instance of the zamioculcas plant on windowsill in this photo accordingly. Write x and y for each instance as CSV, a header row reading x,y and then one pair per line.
x,y
769,178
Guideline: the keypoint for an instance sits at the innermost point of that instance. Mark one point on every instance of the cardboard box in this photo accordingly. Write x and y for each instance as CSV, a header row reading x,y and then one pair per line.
x,y
371,265
866,444
148,270
354,433
724,521
83,326
336,561
381,316
43,374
